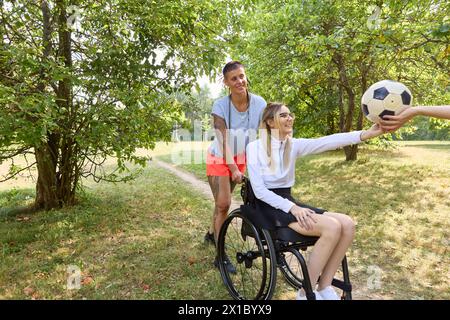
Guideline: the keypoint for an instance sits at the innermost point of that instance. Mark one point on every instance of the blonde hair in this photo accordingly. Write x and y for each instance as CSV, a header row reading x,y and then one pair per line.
x,y
272,112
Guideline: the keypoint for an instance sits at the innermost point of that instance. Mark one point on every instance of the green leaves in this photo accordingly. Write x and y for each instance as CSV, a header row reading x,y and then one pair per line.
x,y
109,89
308,54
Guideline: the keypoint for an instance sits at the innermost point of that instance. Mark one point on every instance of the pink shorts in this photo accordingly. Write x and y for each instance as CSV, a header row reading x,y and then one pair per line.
x,y
216,166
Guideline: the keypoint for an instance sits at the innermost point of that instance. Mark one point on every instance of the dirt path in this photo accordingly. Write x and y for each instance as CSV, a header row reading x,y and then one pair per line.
x,y
201,186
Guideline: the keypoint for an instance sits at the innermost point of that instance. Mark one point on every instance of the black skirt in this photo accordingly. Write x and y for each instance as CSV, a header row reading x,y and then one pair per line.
x,y
267,217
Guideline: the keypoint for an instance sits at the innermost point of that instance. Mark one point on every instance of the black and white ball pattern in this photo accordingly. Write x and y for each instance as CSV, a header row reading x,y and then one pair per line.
x,y
385,97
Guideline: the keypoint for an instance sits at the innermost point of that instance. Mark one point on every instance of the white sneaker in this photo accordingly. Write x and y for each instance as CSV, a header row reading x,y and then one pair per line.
x,y
329,294
301,295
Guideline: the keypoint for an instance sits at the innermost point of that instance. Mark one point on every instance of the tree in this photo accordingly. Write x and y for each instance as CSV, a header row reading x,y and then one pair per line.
x,y
82,81
319,56
196,106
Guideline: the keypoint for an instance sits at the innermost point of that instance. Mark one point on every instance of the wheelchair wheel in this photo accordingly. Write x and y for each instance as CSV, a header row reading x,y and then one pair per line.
x,y
290,264
252,252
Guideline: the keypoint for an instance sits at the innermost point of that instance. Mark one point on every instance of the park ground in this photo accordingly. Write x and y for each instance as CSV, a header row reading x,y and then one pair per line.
x,y
144,239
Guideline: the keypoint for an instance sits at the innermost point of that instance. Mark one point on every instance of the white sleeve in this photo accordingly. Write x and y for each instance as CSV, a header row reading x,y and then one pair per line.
x,y
331,142
257,182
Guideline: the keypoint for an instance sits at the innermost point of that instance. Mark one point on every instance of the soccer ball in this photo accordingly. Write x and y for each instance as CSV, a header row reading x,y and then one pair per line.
x,y
385,97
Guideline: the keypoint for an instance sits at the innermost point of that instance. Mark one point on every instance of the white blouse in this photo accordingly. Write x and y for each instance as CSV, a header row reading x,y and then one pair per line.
x,y
263,178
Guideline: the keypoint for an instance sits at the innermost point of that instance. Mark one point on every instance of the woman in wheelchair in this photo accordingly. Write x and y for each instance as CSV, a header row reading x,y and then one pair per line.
x,y
271,169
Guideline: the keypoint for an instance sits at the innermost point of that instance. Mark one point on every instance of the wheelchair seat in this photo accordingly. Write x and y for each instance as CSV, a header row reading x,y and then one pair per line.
x,y
286,234
281,234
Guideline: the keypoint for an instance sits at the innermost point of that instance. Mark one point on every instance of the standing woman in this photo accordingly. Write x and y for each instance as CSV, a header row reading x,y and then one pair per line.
x,y
235,117
271,169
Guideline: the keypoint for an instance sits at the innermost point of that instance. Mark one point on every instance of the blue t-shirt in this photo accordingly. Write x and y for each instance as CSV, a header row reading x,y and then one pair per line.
x,y
244,125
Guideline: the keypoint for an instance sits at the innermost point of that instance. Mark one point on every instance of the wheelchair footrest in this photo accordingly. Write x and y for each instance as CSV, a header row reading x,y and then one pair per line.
x,y
342,285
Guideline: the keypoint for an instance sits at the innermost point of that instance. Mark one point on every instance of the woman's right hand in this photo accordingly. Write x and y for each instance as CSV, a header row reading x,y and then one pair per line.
x,y
392,123
304,216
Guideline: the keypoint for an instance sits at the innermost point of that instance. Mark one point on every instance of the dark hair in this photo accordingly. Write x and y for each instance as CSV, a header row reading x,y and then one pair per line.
x,y
230,66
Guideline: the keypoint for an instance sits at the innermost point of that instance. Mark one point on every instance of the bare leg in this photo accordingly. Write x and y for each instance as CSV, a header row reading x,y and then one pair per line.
x,y
211,227
221,188
328,229
345,241
214,185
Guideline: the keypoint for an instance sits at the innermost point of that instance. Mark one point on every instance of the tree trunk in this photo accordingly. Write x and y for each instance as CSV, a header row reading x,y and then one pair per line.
x,y
56,161
46,153
350,151
53,189
65,176
341,109
46,190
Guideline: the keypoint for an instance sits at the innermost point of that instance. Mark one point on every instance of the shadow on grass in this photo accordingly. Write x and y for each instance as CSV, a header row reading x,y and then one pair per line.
x,y
370,182
50,227
16,202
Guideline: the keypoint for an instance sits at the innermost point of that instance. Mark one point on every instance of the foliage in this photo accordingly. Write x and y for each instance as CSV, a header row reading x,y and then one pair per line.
x,y
422,128
319,56
82,80
197,109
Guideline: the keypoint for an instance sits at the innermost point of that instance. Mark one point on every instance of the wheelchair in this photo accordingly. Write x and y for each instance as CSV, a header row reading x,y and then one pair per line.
x,y
257,254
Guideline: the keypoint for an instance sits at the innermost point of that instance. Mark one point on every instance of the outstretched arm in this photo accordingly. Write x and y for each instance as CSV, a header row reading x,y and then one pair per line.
x,y
304,147
392,123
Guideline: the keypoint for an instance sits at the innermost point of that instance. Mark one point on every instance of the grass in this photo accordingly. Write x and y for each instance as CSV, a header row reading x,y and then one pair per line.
x,y
144,239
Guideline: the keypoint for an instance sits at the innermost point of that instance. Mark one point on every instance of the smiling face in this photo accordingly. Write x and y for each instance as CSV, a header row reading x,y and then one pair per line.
x,y
283,122
236,80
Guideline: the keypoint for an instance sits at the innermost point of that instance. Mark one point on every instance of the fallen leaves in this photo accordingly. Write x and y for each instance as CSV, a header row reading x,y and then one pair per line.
x,y
87,280
28,291
22,218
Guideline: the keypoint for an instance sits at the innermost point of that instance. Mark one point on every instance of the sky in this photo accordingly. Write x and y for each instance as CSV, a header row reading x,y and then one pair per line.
x,y
215,87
